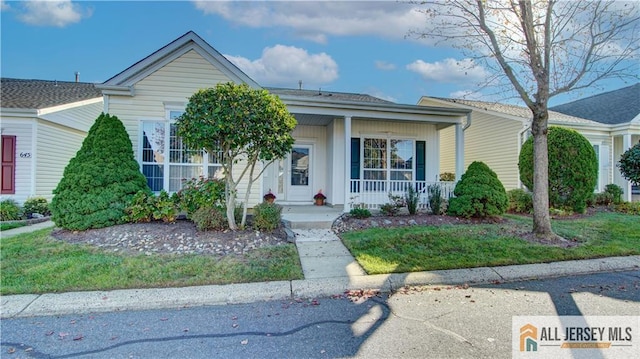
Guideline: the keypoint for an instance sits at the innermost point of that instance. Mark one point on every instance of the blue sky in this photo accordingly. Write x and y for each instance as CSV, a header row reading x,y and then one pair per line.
x,y
337,46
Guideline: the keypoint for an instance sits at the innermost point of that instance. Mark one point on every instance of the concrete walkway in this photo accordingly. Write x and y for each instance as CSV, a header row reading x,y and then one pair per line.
x,y
26,229
328,268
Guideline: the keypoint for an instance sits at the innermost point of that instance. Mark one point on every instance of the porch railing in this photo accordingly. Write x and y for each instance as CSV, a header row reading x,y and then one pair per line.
x,y
372,194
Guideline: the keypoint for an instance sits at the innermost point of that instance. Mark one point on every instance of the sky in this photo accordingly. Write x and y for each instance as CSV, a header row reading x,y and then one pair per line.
x,y
353,46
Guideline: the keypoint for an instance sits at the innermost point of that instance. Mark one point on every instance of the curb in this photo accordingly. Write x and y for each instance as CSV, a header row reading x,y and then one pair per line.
x,y
30,305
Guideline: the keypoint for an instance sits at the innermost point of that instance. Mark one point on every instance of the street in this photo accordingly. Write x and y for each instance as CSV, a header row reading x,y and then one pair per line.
x,y
417,322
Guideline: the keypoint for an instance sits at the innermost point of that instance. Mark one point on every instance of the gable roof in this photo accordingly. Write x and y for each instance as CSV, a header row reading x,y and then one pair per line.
x,y
40,94
613,107
178,47
328,95
520,112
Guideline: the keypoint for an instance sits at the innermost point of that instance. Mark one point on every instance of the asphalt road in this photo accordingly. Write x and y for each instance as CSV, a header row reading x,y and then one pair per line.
x,y
420,322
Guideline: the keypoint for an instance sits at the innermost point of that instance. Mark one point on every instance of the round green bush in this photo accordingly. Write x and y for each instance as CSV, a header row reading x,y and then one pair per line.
x,y
629,164
478,194
267,216
38,205
573,168
209,218
99,182
520,201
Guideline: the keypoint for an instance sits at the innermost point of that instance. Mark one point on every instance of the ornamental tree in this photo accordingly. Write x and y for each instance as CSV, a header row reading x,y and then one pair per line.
x,y
629,164
534,50
573,168
247,126
100,180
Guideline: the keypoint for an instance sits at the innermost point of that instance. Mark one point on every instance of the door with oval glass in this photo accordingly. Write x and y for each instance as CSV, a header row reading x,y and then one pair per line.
x,y
299,179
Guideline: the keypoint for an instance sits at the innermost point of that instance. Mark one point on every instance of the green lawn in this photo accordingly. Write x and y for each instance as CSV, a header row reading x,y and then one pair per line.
x,y
37,263
423,248
11,225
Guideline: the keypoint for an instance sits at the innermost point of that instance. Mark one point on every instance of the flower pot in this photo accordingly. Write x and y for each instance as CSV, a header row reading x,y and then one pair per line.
x,y
319,202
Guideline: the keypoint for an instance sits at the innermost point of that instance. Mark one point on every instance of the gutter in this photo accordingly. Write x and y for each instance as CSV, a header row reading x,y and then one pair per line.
x,y
468,122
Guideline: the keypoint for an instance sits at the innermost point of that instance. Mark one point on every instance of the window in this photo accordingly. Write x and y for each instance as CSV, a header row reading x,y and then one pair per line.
x,y
388,159
166,161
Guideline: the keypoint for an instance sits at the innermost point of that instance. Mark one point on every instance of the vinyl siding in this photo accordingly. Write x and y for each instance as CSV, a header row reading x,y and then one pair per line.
x,y
53,158
172,85
23,129
79,118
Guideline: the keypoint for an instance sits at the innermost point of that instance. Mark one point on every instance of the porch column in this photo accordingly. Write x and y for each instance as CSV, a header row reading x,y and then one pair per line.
x,y
459,151
626,145
347,163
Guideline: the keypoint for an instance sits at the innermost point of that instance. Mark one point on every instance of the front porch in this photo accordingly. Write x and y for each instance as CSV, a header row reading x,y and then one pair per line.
x,y
372,194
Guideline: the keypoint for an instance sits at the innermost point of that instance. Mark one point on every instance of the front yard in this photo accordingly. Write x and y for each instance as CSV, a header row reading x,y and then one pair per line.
x,y
424,248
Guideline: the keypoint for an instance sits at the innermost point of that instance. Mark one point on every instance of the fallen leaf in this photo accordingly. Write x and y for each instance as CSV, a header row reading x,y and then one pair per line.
x,y
28,349
72,322
245,342
105,298
49,333
164,319
11,350
62,335
78,337
234,318
185,330
234,325
323,351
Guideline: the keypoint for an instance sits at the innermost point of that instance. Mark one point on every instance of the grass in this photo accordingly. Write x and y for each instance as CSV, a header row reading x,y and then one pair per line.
x,y
423,248
11,225
37,263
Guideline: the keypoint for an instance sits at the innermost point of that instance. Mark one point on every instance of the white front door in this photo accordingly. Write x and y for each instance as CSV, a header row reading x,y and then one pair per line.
x,y
299,179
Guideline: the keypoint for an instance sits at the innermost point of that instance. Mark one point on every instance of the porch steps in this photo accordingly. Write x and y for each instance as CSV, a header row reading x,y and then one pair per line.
x,y
309,217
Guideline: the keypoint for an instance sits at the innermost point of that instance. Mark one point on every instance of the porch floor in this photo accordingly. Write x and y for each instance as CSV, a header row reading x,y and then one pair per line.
x,y
309,216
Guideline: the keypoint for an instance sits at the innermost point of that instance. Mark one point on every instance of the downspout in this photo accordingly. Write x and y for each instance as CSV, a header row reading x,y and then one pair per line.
x,y
459,152
468,122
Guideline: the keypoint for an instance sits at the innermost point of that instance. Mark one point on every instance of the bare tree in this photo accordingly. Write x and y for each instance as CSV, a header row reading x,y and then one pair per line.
x,y
536,50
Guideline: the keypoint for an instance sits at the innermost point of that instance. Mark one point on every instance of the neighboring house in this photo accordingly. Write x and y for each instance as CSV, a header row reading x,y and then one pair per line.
x,y
43,124
620,110
356,148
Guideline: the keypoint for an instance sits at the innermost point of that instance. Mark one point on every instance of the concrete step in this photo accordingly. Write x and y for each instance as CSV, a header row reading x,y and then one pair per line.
x,y
307,224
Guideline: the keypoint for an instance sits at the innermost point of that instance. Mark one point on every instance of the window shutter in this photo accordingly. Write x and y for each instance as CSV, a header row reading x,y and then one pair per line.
x,y
355,158
8,165
420,160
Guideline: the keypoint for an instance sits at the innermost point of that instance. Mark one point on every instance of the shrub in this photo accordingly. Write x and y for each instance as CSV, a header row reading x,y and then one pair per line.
x,y
201,192
38,205
628,208
479,193
209,218
164,208
140,208
411,198
629,164
100,180
573,168
267,216
615,191
447,177
520,201
9,210
602,199
360,212
434,192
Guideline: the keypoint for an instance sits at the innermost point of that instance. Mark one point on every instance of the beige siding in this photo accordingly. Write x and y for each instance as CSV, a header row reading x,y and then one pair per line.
x,y
171,85
448,149
52,157
23,130
79,118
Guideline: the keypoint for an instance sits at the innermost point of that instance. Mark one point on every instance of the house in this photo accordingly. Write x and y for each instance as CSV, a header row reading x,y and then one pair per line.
x,y
355,147
497,131
43,124
620,110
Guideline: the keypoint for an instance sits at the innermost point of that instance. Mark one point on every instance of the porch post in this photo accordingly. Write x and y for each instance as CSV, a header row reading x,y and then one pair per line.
x,y
459,151
347,163
626,144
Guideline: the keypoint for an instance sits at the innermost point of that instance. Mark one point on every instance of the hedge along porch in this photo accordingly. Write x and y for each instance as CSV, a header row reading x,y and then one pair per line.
x,y
358,149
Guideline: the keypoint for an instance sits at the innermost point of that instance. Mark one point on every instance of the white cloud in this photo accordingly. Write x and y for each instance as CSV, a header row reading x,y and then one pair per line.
x,y
52,13
386,66
449,71
282,65
315,20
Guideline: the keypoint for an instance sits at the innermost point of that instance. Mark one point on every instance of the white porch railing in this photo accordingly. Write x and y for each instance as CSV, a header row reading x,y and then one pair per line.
x,y
371,194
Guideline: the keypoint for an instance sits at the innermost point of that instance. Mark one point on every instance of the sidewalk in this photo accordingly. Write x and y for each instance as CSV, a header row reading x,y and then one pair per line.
x,y
328,267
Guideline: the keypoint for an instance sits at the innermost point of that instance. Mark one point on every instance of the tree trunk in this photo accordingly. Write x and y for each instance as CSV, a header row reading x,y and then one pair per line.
x,y
231,200
541,219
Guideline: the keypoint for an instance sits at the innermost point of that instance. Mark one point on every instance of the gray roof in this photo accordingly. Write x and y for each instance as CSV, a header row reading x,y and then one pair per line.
x,y
39,94
612,108
520,111
328,95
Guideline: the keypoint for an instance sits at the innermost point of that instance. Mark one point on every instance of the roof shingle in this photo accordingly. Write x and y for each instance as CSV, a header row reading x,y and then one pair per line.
x,y
321,94
612,108
39,94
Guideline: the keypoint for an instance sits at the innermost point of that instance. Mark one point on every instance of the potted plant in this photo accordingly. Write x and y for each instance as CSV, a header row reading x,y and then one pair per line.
x,y
269,197
319,198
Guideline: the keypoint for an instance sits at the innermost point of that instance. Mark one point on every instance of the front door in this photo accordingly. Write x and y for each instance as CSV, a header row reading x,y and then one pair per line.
x,y
299,182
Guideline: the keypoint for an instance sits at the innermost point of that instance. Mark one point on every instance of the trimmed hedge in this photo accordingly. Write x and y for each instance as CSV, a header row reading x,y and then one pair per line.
x,y
99,182
573,168
479,193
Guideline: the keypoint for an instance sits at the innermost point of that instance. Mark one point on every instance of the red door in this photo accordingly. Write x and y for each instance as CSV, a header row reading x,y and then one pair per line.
x,y
8,184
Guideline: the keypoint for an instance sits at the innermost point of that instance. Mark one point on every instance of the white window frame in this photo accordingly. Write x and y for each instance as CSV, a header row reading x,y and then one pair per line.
x,y
388,169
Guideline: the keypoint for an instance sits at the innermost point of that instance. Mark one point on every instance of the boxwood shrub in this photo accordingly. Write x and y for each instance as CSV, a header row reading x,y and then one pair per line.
x,y
479,193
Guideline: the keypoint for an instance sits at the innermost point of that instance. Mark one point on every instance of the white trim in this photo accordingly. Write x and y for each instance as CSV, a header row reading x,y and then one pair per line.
x,y
34,155
67,106
347,163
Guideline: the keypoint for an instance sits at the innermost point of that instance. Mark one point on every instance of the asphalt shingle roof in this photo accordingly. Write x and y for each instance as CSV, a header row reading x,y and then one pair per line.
x,y
613,107
520,111
321,94
39,94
